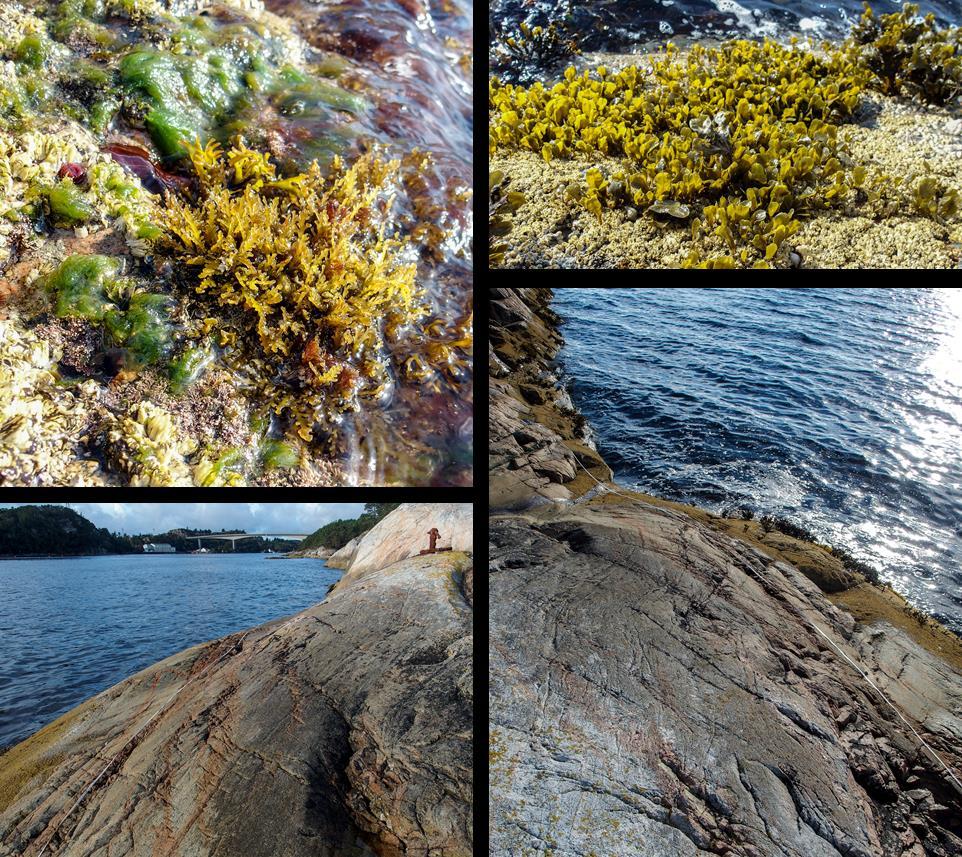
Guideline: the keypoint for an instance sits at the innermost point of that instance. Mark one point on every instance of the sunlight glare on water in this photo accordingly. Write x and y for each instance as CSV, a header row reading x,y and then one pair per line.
x,y
840,409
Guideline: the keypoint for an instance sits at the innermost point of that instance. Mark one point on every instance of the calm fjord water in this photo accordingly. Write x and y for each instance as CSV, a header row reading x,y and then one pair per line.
x,y
837,408
70,628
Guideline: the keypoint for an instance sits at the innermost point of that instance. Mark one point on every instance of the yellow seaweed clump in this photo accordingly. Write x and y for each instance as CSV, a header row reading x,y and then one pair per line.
x,y
909,54
295,277
746,132
539,46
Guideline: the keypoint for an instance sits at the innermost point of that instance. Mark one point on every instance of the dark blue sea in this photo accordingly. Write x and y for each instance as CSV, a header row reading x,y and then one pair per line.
x,y
624,26
838,408
70,628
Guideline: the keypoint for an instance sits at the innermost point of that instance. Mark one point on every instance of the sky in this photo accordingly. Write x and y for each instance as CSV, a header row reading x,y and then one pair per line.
x,y
135,518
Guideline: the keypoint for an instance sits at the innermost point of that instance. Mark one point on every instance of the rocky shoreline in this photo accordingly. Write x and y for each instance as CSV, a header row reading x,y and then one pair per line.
x,y
343,730
667,682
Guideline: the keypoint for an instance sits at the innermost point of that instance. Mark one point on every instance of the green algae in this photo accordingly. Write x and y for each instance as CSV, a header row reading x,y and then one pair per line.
x,y
188,367
79,286
90,287
225,470
68,205
32,52
78,20
180,78
211,77
144,327
278,454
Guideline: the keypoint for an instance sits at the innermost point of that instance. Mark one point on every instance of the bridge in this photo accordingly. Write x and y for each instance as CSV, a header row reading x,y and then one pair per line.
x,y
233,538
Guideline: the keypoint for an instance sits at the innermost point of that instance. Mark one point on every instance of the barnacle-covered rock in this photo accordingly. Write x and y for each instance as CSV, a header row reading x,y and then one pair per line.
x,y
41,422
33,185
501,205
295,277
146,447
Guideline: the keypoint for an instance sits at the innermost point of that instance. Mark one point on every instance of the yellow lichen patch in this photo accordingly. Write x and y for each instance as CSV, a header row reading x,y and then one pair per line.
x,y
297,277
34,758
41,423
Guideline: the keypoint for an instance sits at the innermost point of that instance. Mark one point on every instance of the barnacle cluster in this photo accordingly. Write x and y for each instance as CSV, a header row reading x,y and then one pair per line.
x,y
295,277
21,47
145,445
746,132
501,205
147,448
41,421
33,187
909,55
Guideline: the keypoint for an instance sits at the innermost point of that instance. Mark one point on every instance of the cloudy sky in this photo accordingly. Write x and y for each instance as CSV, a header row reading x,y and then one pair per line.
x,y
252,517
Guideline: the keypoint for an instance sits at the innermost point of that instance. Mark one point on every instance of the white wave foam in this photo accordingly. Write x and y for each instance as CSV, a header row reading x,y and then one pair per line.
x,y
746,18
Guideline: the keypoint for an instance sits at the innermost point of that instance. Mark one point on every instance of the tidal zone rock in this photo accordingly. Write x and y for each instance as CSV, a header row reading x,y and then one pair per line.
x,y
659,688
344,730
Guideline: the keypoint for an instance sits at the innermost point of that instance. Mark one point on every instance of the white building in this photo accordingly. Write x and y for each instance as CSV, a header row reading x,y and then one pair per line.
x,y
152,548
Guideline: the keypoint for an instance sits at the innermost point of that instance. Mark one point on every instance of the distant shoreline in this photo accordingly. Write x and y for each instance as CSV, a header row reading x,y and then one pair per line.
x,y
96,555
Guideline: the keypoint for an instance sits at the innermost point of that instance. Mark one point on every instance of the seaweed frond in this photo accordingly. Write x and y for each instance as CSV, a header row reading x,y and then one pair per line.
x,y
297,277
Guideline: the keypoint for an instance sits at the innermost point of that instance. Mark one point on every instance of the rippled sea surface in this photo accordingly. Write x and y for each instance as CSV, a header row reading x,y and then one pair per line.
x,y
619,26
616,25
70,628
838,408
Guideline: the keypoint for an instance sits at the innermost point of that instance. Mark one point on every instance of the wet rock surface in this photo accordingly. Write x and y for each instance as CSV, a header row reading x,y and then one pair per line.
x,y
345,729
660,688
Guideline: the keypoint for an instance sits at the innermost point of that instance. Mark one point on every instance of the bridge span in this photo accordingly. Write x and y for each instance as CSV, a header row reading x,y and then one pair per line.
x,y
233,538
